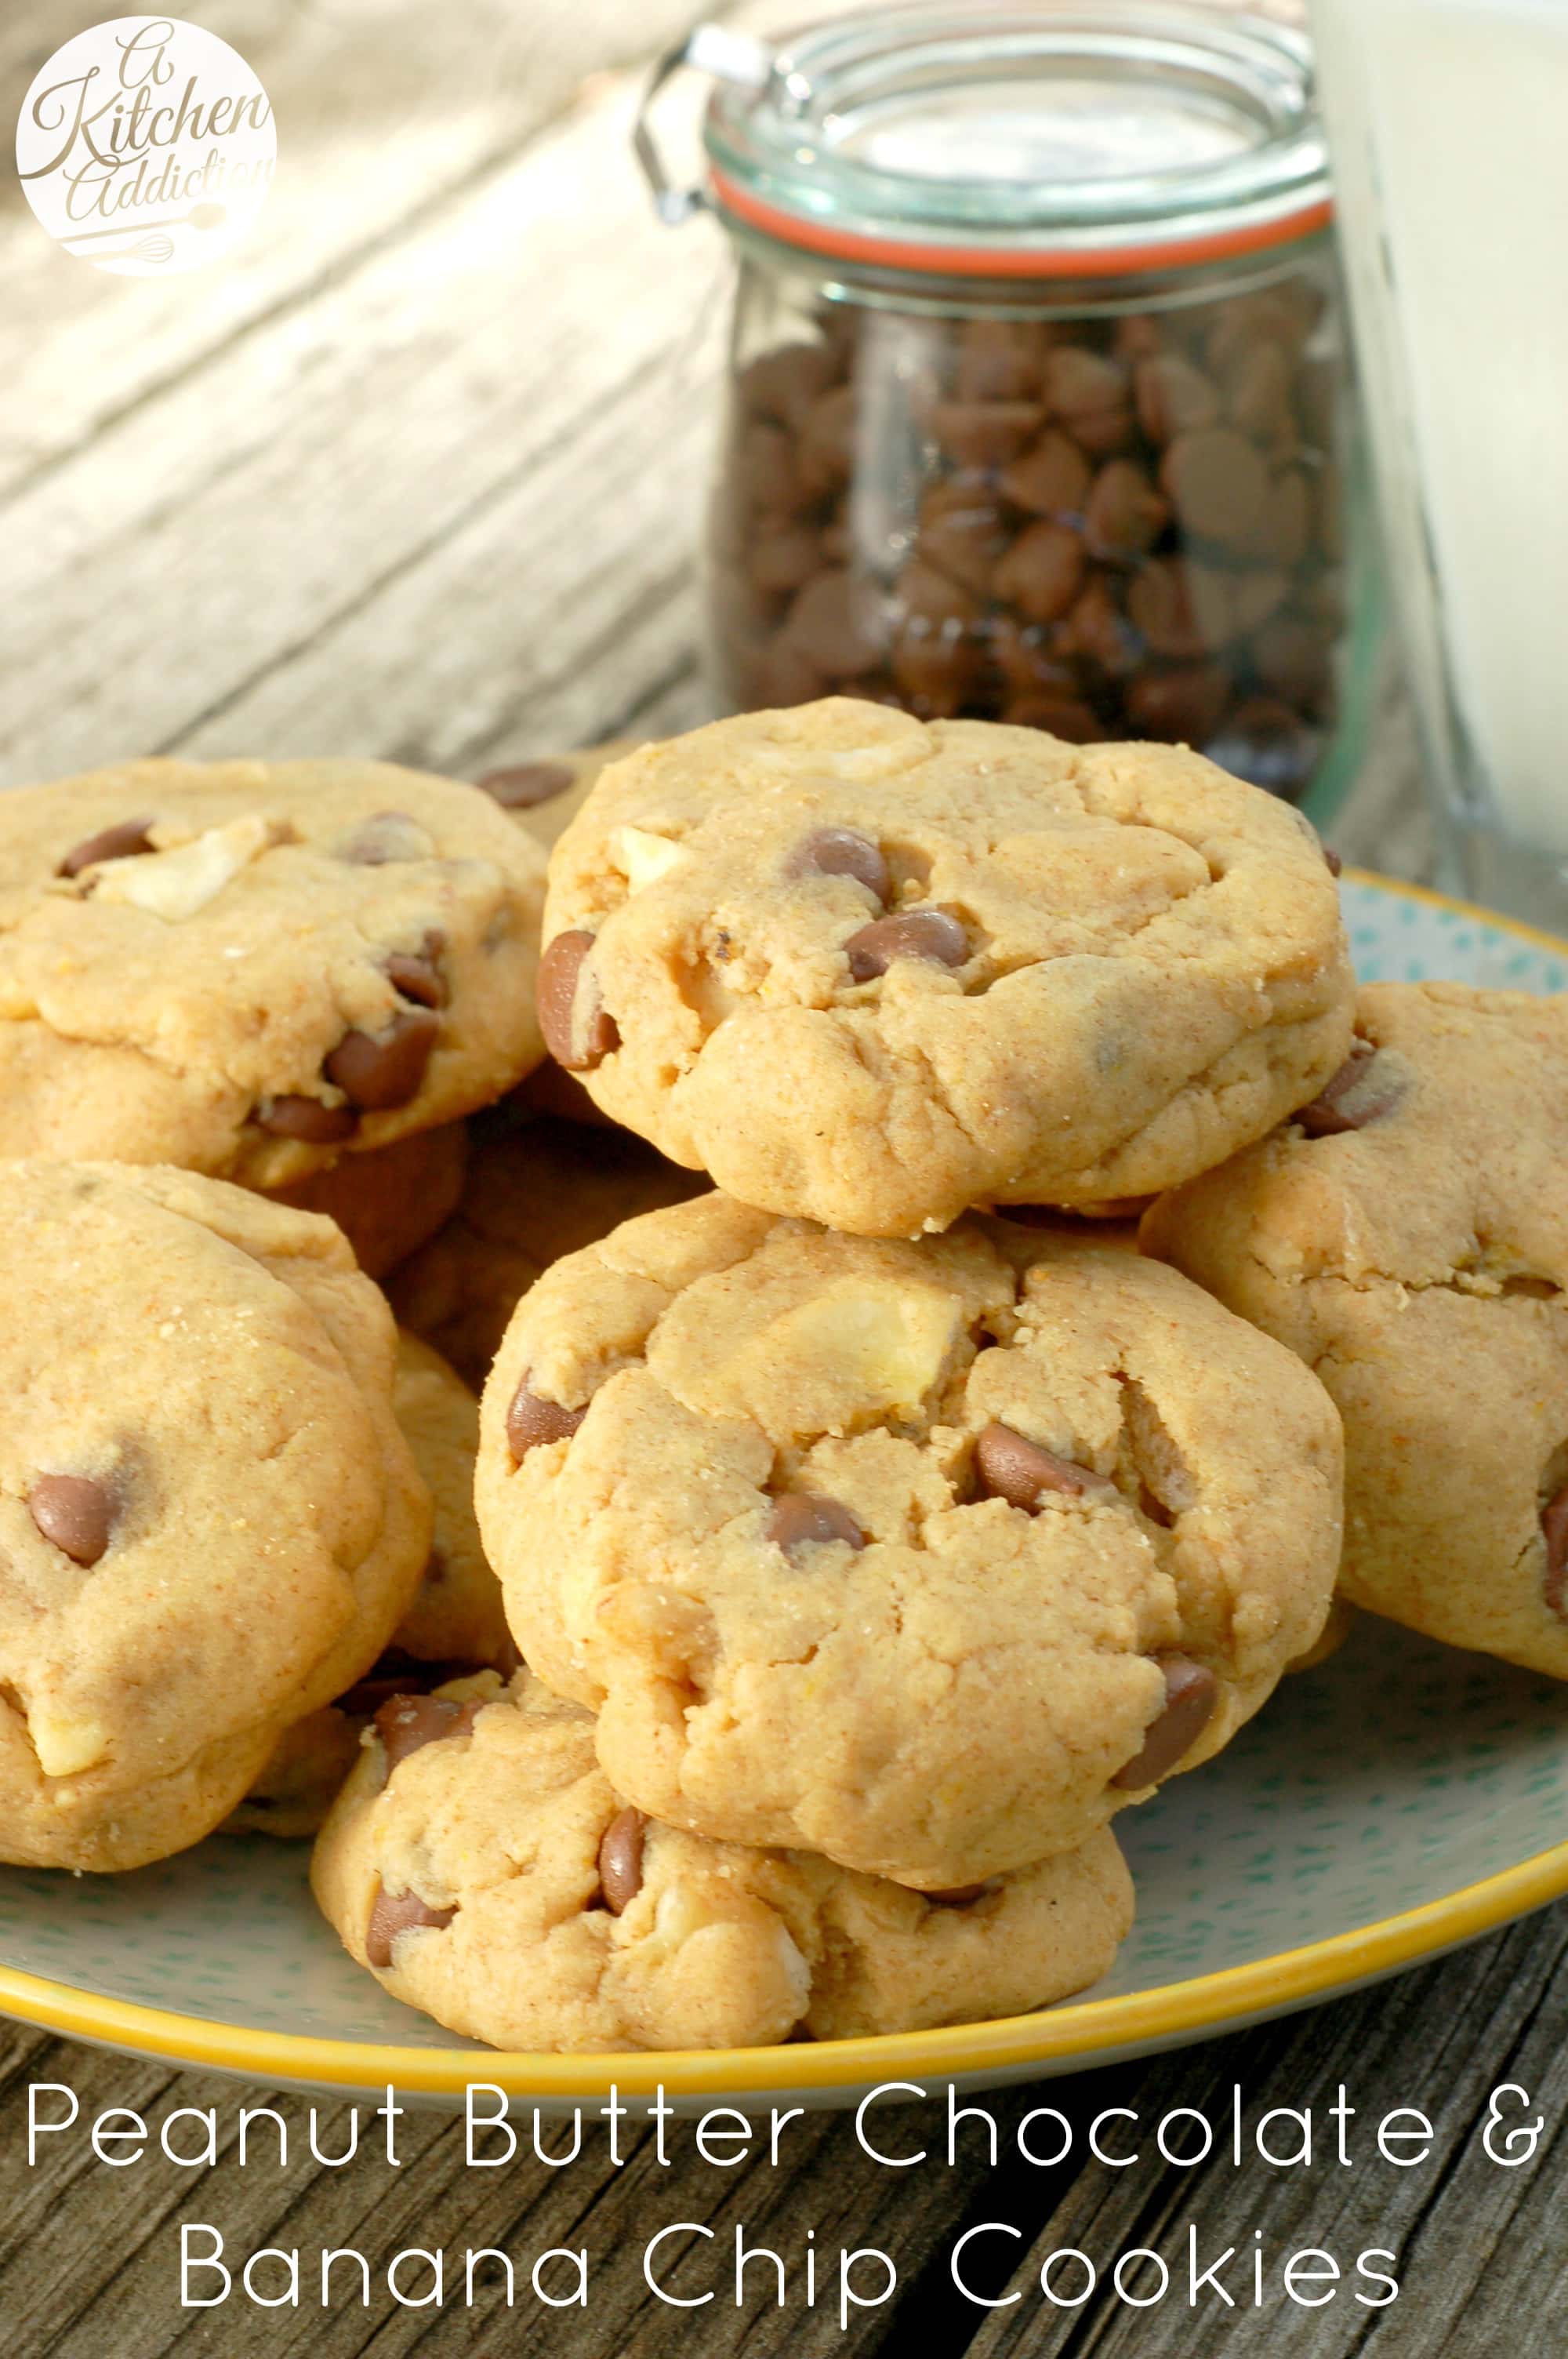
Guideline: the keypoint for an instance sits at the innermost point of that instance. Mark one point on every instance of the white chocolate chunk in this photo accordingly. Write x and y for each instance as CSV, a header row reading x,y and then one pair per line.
x,y
645,858
176,885
885,1343
65,1745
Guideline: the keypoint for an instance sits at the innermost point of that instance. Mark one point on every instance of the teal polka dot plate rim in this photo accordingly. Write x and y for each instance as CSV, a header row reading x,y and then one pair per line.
x,y
1397,1800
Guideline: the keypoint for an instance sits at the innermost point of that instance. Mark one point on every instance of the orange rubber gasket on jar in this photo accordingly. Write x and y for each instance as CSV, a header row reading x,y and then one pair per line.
x,y
1031,262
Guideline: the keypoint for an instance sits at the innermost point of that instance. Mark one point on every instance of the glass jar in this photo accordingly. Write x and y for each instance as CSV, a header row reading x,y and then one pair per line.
x,y
1040,407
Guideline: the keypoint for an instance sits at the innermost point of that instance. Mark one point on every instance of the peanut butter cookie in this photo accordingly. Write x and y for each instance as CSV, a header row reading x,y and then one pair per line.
x,y
480,1863
251,969
927,1556
873,973
212,1522
1407,1235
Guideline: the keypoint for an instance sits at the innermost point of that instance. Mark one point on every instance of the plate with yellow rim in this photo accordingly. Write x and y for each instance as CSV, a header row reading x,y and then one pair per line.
x,y
1395,1803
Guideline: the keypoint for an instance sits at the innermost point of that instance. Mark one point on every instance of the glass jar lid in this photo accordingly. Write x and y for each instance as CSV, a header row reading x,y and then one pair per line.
x,y
1032,138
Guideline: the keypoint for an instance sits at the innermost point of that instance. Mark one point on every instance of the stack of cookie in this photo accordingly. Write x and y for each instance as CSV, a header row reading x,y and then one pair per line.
x,y
874,1520
875,1526
223,1477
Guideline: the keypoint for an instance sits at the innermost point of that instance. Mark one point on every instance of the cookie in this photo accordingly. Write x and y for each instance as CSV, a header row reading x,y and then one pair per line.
x,y
547,794
252,969
391,1200
926,1556
1335,1630
872,972
210,1520
536,1189
455,1623
482,1864
1407,1236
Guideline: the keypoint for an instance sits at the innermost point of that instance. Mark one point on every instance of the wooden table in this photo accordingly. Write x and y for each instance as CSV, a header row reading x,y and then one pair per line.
x,y
417,476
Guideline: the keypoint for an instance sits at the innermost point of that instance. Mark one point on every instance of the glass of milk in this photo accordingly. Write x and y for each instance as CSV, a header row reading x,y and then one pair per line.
x,y
1448,128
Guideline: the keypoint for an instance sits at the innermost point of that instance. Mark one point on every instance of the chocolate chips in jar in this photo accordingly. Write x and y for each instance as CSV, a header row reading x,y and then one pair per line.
x,y
1121,523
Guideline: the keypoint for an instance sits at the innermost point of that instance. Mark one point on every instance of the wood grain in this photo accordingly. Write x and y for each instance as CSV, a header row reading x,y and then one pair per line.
x,y
83,2248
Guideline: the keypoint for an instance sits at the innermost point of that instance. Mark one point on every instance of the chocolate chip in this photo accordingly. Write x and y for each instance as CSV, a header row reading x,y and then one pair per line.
x,y
385,837
405,1913
532,1419
394,1673
1021,1473
1332,861
935,670
376,1069
984,433
419,977
1051,479
1358,1093
912,933
1191,1694
406,1723
799,1518
621,1860
1217,485
121,842
1125,515
1162,603
1179,704
522,786
960,1895
1554,1531
578,1037
1067,717
826,451
1042,571
843,851
835,622
1174,397
1092,396
781,562
309,1119
74,1512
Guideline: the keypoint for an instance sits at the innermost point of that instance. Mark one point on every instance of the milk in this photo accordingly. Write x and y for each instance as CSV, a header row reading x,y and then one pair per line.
x,y
1448,126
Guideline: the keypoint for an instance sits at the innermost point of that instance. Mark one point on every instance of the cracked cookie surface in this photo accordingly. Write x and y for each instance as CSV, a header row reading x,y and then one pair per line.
x,y
212,1522
926,1556
482,1864
454,1625
872,972
536,1188
251,969
1408,1238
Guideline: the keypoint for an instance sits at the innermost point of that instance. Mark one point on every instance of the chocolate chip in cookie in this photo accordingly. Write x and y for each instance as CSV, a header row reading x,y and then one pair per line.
x,y
532,1419
379,1069
843,851
121,842
395,1914
74,1512
1021,1473
1191,1694
934,934
621,1860
802,1518
578,1036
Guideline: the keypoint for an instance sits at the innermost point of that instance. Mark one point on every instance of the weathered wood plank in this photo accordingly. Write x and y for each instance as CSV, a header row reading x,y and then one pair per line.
x,y
384,108
83,2248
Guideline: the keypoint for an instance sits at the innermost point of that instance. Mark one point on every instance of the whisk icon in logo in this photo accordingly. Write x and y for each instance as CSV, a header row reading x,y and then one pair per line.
x,y
146,145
